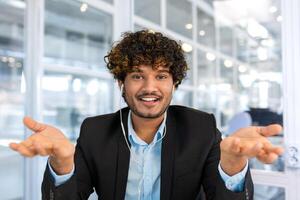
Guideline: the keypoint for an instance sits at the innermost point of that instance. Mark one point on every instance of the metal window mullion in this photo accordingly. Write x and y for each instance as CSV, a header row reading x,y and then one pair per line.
x,y
235,74
291,86
194,55
123,21
76,71
163,13
34,32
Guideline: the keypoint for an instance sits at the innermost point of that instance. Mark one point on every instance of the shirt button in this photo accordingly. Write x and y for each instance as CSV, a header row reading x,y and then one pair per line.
x,y
229,184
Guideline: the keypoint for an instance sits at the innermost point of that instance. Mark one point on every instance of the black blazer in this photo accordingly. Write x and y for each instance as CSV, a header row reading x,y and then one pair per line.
x,y
189,160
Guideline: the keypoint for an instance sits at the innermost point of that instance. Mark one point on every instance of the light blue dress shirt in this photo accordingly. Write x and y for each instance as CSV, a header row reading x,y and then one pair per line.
x,y
144,168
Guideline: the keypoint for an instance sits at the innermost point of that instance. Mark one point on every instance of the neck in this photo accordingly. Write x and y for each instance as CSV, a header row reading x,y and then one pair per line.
x,y
146,128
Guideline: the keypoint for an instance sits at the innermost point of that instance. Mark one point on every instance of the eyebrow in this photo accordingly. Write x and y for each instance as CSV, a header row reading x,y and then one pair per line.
x,y
160,71
137,70
164,71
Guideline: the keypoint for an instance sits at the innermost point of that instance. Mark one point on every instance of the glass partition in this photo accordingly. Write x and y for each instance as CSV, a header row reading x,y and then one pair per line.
x,y
179,17
76,35
251,39
69,99
265,192
206,29
182,97
12,88
148,9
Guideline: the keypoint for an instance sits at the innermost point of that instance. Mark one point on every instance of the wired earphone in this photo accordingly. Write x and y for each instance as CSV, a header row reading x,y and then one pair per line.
x,y
121,118
126,140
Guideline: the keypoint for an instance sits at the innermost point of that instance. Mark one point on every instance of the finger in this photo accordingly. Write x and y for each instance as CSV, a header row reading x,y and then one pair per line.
x,y
273,129
33,125
274,149
254,150
236,145
23,150
268,158
14,146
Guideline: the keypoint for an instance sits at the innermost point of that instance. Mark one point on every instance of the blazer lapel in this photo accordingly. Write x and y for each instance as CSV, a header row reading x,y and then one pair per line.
x,y
167,158
123,161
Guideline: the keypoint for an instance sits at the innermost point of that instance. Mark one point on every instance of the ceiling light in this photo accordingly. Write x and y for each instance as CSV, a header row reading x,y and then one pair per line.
x,y
76,85
262,54
92,87
268,43
186,47
210,56
279,18
256,30
56,84
189,26
18,65
11,59
273,9
228,63
201,87
4,59
202,33
83,7
242,68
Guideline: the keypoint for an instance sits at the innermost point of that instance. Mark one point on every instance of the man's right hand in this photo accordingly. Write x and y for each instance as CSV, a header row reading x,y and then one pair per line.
x,y
47,141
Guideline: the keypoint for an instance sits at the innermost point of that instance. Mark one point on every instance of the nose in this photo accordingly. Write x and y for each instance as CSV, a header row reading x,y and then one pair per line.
x,y
150,85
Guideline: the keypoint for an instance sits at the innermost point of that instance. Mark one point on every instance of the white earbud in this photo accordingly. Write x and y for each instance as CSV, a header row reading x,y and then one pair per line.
x,y
173,89
122,86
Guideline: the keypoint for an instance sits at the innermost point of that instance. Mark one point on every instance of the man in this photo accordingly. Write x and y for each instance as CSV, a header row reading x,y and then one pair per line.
x,y
149,150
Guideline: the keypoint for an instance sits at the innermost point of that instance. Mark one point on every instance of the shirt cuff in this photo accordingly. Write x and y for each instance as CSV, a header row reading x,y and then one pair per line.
x,y
236,182
60,179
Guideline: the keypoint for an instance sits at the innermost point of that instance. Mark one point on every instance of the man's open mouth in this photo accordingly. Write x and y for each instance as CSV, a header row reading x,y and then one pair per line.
x,y
149,99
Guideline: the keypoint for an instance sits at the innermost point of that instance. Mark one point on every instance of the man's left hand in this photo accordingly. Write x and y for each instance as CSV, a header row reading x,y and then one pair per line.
x,y
248,143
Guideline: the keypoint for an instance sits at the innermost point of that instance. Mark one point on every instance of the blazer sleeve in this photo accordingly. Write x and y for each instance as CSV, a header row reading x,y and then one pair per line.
x,y
213,185
78,187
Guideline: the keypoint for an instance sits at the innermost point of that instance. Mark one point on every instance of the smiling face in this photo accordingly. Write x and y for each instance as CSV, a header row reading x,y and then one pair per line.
x,y
148,91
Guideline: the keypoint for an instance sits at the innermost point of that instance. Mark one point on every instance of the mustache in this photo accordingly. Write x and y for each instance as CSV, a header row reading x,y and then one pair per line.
x,y
143,94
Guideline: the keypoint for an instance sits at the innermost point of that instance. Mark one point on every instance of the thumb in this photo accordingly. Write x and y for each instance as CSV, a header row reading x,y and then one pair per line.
x,y
33,125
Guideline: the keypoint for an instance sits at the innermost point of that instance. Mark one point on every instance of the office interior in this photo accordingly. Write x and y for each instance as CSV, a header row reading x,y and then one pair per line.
x,y
239,52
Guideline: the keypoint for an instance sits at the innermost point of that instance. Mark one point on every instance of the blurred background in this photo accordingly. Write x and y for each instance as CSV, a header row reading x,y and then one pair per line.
x,y
52,68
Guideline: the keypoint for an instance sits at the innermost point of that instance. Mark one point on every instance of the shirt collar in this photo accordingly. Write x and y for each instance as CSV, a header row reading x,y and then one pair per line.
x,y
133,137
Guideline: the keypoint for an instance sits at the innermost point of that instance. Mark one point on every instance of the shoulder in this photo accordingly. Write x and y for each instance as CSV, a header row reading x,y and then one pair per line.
x,y
106,119
102,126
190,119
183,111
99,119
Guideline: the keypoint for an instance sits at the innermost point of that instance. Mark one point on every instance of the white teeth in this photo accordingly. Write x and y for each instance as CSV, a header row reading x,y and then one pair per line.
x,y
149,99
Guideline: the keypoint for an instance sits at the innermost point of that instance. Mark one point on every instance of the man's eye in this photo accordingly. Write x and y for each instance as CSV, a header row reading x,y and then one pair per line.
x,y
160,77
137,77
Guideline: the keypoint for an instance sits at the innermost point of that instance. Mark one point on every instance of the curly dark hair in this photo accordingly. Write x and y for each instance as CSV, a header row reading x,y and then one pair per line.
x,y
146,48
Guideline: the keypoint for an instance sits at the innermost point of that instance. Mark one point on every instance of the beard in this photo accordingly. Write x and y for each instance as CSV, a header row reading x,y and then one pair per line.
x,y
134,108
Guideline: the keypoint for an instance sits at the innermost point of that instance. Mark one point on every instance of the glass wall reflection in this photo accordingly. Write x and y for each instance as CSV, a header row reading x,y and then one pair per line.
x,y
69,99
76,35
265,192
237,65
148,9
12,90
179,17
